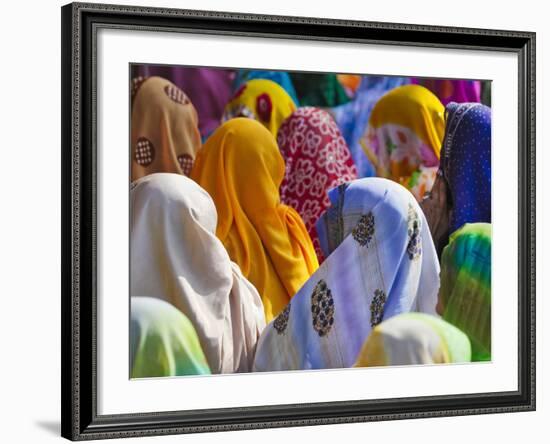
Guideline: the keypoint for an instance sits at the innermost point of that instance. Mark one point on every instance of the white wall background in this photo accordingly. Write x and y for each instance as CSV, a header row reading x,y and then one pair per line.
x,y
30,220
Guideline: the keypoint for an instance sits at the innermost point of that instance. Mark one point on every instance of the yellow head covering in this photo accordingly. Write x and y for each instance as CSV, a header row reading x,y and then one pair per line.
x,y
165,132
262,100
404,137
413,339
241,167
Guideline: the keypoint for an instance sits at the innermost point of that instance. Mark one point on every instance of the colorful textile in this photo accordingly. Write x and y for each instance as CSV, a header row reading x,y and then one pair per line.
x,y
413,339
404,137
452,90
321,90
353,117
208,88
164,133
350,83
465,294
163,341
175,256
241,167
261,100
317,159
282,78
466,162
385,265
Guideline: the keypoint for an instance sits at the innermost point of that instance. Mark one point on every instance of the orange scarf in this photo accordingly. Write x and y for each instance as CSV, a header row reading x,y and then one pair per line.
x,y
241,167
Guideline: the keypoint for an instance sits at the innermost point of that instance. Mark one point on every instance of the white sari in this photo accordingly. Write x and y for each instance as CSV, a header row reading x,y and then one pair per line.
x,y
176,256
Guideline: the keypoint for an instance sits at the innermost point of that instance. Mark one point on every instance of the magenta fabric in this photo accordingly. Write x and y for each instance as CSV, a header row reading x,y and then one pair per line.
x,y
449,90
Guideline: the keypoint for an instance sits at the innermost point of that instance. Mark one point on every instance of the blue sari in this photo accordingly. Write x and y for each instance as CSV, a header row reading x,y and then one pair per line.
x,y
466,162
383,264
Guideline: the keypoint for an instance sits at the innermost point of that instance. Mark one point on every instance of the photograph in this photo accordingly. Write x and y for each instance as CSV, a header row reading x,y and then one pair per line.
x,y
302,221
277,221
274,222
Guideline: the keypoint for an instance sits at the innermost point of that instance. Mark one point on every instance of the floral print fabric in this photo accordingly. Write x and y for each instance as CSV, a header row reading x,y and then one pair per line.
x,y
317,159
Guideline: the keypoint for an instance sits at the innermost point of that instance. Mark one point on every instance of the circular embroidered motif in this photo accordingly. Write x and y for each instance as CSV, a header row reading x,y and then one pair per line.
x,y
281,321
264,107
145,152
377,307
322,308
186,163
364,230
176,94
414,248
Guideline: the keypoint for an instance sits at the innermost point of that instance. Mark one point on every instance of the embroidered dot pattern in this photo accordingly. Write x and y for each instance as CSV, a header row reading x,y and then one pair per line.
x,y
136,84
414,248
176,94
145,152
322,308
468,162
186,163
377,307
363,232
280,323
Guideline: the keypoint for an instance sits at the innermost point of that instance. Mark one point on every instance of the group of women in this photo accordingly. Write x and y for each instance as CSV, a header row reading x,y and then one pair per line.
x,y
297,221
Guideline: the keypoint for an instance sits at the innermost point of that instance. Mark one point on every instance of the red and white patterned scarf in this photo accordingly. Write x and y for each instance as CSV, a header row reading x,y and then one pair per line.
x,y
317,159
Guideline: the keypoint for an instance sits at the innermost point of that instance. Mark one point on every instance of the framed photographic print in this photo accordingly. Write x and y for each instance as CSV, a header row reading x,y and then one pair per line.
x,y
279,221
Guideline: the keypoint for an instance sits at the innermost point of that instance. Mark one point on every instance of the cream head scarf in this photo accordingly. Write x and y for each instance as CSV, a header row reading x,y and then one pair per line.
x,y
175,256
414,338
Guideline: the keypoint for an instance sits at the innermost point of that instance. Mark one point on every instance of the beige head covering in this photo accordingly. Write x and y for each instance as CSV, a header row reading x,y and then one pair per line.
x,y
176,256
165,134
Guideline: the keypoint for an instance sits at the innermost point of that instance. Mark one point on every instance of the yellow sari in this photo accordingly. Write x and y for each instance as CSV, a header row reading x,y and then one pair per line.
x,y
262,100
241,167
404,137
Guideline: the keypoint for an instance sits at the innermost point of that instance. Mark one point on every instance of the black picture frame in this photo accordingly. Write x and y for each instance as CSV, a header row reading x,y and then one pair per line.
x,y
79,212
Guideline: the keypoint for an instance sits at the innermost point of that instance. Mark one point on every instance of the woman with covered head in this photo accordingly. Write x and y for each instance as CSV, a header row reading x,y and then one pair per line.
x,y
465,293
462,191
262,100
163,342
353,117
281,78
208,88
165,135
175,256
414,339
317,159
380,262
404,136
241,167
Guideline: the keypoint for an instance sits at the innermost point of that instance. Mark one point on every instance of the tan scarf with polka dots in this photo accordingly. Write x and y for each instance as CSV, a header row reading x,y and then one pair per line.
x,y
164,133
